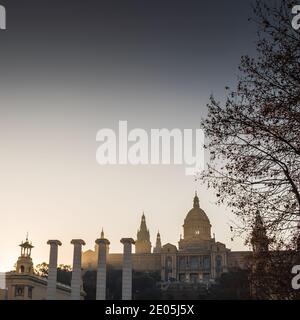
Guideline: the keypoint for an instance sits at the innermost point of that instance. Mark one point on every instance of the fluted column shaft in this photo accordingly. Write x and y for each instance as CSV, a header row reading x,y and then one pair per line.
x,y
76,272
52,269
127,268
101,269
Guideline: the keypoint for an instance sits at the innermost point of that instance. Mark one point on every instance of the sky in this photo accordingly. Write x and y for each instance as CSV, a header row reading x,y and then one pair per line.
x,y
70,68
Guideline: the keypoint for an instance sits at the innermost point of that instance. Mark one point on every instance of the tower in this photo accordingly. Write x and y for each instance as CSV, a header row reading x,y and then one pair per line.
x,y
24,263
260,261
259,239
157,248
143,244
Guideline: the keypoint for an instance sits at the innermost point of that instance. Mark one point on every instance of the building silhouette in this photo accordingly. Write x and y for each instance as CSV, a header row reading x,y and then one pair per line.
x,y
197,258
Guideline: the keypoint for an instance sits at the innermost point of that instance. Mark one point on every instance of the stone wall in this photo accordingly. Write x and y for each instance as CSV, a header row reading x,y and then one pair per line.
x,y
141,262
238,259
39,288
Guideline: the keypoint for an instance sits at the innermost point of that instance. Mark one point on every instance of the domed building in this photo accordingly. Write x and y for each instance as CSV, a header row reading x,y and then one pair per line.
x,y
198,257
196,226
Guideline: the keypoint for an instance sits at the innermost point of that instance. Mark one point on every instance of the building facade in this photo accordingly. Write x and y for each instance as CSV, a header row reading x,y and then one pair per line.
x,y
24,284
197,258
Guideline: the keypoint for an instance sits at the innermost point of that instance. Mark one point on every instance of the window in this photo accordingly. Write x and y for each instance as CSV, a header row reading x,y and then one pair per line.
x,y
194,262
22,269
181,277
194,277
19,291
218,264
201,262
169,263
182,262
206,262
30,292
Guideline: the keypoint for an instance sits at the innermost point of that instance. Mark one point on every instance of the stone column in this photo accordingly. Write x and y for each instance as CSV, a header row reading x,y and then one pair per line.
x,y
127,269
213,265
52,272
76,272
224,262
163,267
101,269
174,267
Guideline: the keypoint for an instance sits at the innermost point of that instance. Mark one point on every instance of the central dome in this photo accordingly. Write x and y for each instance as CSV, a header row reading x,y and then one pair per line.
x,y
196,224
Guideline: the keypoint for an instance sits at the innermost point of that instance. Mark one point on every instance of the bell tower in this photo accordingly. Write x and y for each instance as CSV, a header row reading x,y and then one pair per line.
x,y
157,248
143,244
24,263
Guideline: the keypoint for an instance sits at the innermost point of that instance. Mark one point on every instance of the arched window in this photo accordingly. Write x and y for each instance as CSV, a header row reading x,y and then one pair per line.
x,y
22,269
19,291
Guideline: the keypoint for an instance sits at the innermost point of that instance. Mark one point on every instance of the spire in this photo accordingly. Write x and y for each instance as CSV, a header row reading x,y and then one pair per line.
x,y
196,201
158,238
259,239
258,220
157,248
143,244
143,233
102,234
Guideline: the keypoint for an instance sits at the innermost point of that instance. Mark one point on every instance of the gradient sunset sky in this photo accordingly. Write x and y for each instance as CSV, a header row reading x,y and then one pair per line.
x,y
70,68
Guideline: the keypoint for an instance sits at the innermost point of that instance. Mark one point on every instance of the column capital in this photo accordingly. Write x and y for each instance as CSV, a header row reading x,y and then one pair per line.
x,y
127,240
102,241
78,241
54,242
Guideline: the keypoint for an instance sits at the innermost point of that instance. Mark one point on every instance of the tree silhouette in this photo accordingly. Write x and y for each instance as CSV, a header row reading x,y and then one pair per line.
x,y
254,139
64,272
